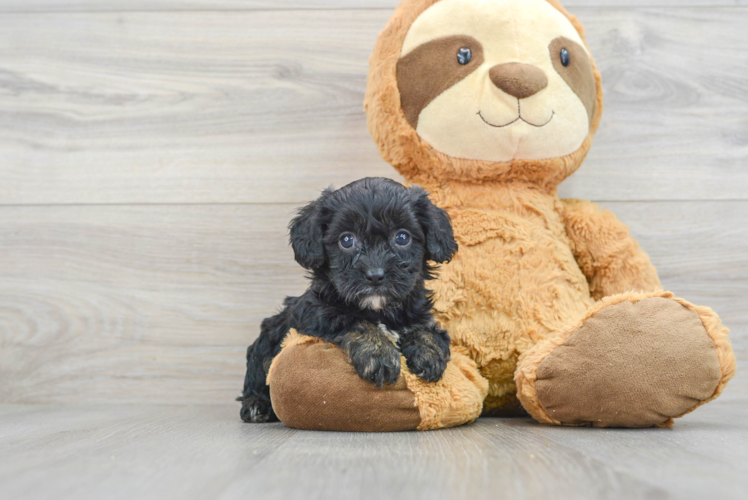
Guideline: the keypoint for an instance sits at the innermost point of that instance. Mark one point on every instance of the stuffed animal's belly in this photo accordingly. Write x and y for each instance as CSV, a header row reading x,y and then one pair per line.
x,y
506,289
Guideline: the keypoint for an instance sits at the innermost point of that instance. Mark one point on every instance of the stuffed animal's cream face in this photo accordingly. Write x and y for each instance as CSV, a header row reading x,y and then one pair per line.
x,y
496,80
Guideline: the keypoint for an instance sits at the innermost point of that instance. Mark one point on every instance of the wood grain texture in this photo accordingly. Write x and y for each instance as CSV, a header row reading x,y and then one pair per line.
x,y
137,303
157,304
164,452
221,107
151,155
41,6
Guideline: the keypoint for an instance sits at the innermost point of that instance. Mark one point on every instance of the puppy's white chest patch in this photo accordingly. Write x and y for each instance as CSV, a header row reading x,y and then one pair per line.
x,y
375,302
393,336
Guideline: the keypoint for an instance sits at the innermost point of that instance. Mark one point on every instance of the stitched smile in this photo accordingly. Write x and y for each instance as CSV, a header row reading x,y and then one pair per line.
x,y
519,117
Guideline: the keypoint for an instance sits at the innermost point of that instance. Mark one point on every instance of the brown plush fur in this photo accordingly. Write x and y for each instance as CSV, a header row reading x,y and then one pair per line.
x,y
531,269
610,259
530,265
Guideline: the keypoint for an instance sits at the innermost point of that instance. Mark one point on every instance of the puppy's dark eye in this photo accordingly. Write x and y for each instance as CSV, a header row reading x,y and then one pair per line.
x,y
402,239
347,241
565,58
464,55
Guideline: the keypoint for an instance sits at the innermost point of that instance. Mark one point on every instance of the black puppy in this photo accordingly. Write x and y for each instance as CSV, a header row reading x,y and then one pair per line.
x,y
368,247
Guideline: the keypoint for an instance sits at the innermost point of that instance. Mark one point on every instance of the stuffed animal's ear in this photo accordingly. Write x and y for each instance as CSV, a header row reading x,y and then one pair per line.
x,y
440,241
306,232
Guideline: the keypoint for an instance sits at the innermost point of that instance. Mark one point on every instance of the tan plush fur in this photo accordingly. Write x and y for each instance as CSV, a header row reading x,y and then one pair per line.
x,y
454,400
292,338
611,260
531,267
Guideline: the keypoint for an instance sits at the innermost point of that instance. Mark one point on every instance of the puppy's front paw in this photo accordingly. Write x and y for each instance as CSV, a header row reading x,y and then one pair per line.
x,y
257,409
426,361
375,361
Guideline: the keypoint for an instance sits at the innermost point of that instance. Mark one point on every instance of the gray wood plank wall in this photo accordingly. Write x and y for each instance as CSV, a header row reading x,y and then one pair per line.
x,y
238,5
151,154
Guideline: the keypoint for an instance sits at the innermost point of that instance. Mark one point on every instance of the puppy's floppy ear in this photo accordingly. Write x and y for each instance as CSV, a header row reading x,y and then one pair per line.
x,y
306,233
440,241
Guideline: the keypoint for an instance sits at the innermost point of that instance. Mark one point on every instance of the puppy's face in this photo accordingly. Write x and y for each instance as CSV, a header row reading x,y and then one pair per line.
x,y
372,240
497,80
375,248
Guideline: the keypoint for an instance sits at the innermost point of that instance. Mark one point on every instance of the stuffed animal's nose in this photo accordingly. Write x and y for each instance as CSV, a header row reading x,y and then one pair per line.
x,y
375,275
518,79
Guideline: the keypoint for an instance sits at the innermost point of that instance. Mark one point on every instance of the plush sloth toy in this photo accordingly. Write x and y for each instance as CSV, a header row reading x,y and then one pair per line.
x,y
553,308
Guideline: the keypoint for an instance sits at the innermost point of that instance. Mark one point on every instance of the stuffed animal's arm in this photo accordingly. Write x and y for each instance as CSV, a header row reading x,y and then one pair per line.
x,y
609,257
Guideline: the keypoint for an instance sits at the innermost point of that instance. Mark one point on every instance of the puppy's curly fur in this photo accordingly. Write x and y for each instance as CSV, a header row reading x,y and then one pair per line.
x,y
368,247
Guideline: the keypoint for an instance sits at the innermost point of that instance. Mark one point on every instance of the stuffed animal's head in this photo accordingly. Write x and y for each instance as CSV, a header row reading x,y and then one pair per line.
x,y
478,90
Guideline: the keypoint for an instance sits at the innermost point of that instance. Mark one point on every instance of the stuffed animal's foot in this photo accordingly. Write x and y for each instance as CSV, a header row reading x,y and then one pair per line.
x,y
257,410
635,360
313,386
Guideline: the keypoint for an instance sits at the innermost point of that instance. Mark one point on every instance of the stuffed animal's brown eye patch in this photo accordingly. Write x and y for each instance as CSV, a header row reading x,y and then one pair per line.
x,y
571,61
432,68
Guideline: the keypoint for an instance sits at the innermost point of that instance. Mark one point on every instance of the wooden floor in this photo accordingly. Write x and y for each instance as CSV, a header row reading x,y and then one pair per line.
x,y
205,452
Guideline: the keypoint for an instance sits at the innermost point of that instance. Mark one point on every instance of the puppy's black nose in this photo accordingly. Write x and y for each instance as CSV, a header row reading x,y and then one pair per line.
x,y
375,275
